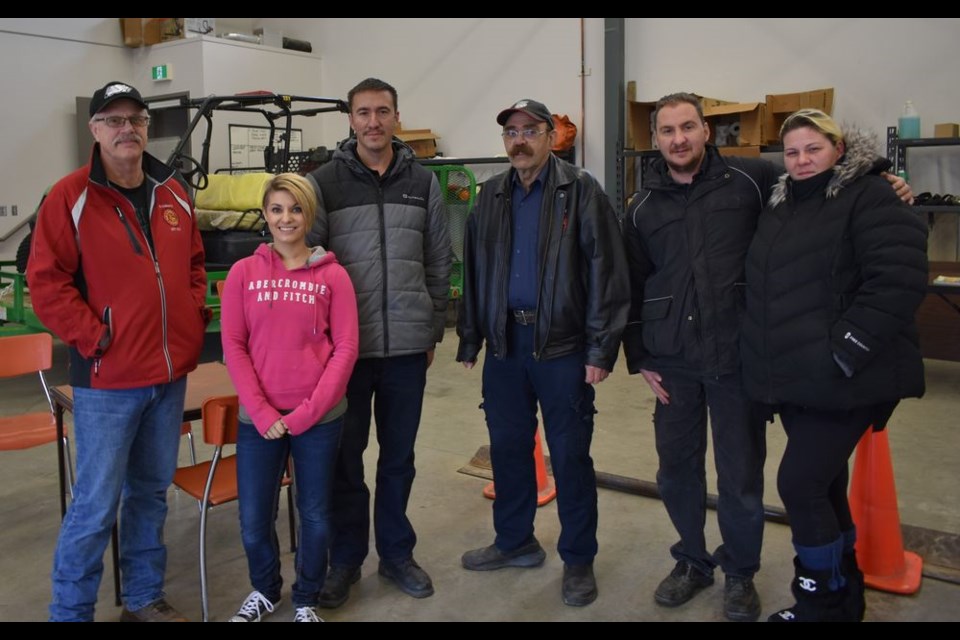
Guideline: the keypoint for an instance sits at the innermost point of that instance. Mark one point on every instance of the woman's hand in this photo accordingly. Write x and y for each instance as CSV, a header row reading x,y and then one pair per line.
x,y
277,430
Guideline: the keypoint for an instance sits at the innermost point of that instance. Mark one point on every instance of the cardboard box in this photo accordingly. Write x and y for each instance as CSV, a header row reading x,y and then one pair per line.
x,y
736,125
779,106
131,29
422,141
744,152
640,123
156,30
946,130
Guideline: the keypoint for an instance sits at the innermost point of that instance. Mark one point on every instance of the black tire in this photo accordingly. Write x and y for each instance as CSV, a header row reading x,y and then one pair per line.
x,y
23,253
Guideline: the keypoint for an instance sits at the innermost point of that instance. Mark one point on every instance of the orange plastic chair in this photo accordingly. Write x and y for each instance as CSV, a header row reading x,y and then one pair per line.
x,y
20,355
214,482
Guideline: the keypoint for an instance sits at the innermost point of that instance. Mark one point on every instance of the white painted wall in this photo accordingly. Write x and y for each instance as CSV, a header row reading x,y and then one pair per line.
x,y
44,65
875,64
453,75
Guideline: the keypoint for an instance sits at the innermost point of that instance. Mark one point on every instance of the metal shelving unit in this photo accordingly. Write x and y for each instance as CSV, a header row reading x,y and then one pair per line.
x,y
897,155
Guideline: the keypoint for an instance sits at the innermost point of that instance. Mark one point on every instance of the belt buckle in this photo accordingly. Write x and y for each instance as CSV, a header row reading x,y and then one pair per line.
x,y
524,316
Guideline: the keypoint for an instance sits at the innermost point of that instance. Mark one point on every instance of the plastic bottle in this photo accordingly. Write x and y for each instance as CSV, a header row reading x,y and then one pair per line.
x,y
909,124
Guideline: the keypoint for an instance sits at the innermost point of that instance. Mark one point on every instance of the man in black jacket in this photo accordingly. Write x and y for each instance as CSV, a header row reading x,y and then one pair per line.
x,y
687,233
545,285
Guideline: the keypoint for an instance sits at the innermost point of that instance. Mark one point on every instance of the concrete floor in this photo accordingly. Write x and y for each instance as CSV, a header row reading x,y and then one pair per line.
x,y
451,516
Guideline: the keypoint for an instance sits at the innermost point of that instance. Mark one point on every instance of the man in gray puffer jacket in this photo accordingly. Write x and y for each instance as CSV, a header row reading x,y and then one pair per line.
x,y
382,214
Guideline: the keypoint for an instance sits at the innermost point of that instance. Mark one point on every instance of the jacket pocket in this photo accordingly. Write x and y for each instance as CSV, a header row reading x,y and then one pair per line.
x,y
655,308
661,336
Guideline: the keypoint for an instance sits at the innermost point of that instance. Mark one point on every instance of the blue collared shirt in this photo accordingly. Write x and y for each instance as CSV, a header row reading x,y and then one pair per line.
x,y
525,210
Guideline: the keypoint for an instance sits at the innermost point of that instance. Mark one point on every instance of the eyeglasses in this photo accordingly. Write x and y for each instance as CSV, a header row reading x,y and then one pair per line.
x,y
528,134
115,122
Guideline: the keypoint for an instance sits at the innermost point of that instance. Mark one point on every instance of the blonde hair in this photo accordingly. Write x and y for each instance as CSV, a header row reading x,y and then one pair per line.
x,y
814,119
301,190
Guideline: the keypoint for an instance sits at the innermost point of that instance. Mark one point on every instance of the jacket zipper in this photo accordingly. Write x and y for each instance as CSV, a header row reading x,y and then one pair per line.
x,y
385,272
537,337
766,271
156,269
107,318
502,278
130,233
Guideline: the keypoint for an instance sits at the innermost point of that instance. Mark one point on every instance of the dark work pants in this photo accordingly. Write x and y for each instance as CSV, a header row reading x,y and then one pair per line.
x,y
394,387
512,388
739,450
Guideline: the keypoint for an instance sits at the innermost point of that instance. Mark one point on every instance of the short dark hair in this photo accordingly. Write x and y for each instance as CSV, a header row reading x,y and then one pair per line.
x,y
371,84
674,99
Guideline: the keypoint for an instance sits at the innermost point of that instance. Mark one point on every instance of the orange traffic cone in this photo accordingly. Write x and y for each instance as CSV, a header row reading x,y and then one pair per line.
x,y
873,503
546,490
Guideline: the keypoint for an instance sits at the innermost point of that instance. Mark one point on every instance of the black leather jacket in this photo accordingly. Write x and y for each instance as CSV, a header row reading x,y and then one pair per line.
x,y
584,291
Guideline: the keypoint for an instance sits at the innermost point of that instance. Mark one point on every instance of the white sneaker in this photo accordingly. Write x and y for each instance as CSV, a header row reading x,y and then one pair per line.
x,y
255,608
306,614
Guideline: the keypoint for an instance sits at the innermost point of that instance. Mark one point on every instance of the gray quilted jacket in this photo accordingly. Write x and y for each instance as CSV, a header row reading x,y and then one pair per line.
x,y
390,233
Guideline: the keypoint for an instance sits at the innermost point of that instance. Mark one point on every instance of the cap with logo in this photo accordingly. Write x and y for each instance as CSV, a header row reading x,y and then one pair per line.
x,y
532,108
114,91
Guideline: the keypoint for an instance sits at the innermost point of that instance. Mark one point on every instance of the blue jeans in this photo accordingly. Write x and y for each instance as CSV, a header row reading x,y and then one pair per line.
x,y
395,388
260,467
739,450
127,442
512,387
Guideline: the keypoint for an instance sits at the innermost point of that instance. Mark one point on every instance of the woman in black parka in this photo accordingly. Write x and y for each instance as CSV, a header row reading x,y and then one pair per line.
x,y
835,273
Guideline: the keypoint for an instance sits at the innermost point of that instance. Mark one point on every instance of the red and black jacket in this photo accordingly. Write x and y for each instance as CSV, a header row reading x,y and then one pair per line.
x,y
132,314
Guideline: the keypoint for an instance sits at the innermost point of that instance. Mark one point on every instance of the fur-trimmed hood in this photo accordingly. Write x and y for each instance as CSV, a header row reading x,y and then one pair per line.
x,y
862,157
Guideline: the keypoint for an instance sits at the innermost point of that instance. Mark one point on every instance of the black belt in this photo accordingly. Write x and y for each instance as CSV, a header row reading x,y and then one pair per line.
x,y
524,316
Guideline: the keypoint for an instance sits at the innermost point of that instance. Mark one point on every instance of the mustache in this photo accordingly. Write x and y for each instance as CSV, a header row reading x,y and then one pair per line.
x,y
521,149
129,137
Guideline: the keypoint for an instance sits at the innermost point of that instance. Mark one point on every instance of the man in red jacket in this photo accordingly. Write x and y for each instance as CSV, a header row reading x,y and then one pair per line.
x,y
116,272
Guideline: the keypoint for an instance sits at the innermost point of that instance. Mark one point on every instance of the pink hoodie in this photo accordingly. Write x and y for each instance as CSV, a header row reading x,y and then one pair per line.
x,y
290,338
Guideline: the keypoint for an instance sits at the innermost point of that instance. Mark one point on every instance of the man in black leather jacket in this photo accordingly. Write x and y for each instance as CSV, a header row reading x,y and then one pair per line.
x,y
545,285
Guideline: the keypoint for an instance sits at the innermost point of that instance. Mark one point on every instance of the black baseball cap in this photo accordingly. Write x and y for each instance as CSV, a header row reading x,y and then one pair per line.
x,y
532,108
114,91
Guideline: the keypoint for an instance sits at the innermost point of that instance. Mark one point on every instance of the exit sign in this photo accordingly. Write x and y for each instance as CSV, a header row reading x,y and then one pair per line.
x,y
161,72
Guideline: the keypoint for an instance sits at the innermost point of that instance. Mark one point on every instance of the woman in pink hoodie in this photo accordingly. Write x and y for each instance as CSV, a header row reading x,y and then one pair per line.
x,y
289,331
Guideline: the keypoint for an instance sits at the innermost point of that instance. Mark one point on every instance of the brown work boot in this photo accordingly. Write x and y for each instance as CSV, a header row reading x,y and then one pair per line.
x,y
157,611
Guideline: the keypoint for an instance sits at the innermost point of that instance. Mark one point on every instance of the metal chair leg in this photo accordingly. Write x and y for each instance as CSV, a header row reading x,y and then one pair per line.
x,y
69,463
292,516
204,604
115,543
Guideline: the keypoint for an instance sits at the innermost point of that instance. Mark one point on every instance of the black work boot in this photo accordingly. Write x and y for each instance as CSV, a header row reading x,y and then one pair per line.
x,y
855,605
816,602
409,576
741,603
684,582
336,588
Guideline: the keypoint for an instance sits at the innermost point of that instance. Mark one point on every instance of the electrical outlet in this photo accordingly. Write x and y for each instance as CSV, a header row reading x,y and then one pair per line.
x,y
3,209
13,210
